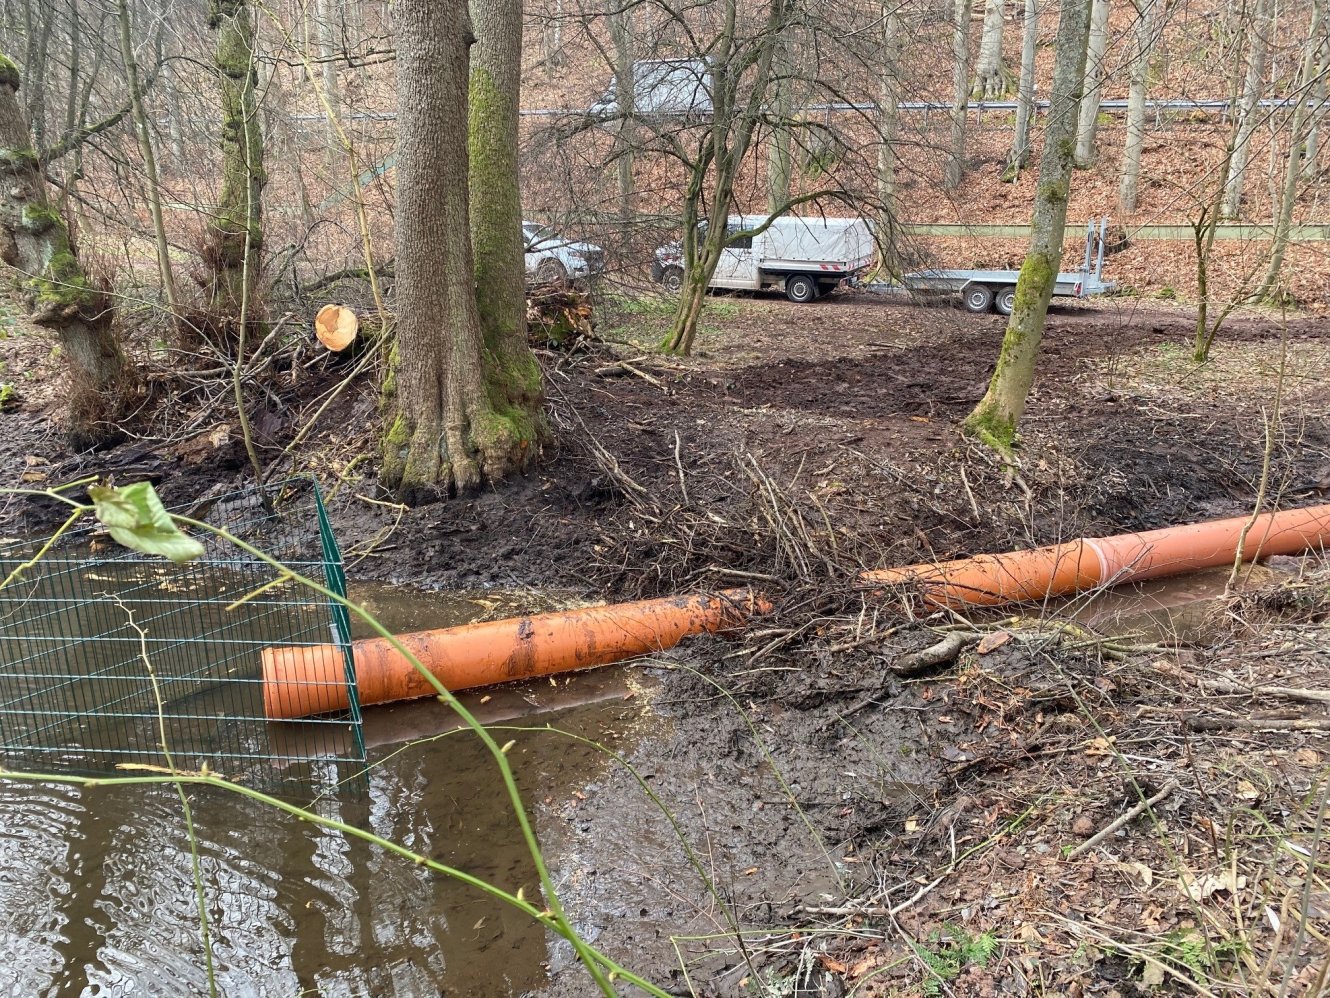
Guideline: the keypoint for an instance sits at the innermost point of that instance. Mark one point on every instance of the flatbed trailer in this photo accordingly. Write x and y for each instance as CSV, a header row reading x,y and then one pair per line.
x,y
985,290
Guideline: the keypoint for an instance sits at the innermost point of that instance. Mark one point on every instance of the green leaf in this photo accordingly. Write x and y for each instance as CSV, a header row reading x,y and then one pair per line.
x,y
136,518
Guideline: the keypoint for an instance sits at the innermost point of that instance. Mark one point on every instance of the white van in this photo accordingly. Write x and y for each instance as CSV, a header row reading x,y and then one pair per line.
x,y
664,87
804,257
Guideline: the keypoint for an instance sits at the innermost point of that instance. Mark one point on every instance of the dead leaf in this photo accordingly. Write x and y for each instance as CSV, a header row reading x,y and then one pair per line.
x,y
1152,975
1138,873
870,962
1247,790
750,871
1309,758
953,754
993,641
1100,746
831,964
920,419
33,476
32,460
1212,883
912,823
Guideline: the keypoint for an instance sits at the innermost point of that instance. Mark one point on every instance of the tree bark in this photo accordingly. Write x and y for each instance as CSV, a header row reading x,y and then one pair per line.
x,y
151,178
996,417
235,236
1293,169
1094,85
625,92
1128,187
990,75
780,161
954,170
1019,157
1257,46
449,427
888,120
323,15
34,242
1312,148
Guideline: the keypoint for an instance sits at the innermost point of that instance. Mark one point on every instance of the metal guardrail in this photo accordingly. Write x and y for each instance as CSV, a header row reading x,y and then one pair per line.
x,y
1310,232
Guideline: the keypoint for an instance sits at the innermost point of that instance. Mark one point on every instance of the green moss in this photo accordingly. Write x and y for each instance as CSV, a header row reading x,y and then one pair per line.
x,y
9,72
992,428
38,218
18,160
62,285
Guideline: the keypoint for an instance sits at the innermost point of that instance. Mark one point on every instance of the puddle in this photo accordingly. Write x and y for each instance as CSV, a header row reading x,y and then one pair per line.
x,y
96,894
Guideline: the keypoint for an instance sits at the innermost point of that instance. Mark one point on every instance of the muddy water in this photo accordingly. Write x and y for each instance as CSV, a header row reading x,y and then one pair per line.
x,y
96,895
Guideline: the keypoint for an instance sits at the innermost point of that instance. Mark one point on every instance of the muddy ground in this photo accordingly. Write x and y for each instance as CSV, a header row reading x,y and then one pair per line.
x,y
872,832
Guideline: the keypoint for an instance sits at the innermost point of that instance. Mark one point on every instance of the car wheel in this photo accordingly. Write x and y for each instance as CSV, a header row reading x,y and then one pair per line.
x,y
1006,301
672,279
800,288
551,272
978,298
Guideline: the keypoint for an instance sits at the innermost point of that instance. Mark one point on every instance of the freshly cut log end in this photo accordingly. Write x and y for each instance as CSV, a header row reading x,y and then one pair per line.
x,y
336,327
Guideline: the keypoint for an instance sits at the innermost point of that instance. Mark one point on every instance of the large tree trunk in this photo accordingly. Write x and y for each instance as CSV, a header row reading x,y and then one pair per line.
x,y
450,427
996,417
151,179
1297,139
625,92
990,75
1094,84
954,170
1019,156
34,241
1258,31
235,234
1128,188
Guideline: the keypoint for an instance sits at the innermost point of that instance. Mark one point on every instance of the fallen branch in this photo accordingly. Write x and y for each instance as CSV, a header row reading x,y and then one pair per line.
x,y
944,651
1284,692
624,367
1123,821
1257,724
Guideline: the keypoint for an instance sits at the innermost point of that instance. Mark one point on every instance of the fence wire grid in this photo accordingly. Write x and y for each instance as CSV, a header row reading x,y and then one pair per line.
x,y
104,651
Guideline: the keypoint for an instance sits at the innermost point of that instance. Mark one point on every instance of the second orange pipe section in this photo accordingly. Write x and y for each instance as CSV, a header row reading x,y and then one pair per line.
x,y
993,579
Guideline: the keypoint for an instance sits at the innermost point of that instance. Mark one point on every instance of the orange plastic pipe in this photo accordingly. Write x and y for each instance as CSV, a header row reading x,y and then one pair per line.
x,y
299,681
992,579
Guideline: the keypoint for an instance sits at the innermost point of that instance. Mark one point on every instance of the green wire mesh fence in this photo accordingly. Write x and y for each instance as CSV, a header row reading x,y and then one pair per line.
x,y
106,655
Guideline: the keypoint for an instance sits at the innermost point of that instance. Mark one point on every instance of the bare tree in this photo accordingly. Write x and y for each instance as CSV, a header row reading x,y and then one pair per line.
x,y
235,233
1257,31
889,73
1128,187
34,241
1094,84
1019,156
990,75
954,170
625,92
996,417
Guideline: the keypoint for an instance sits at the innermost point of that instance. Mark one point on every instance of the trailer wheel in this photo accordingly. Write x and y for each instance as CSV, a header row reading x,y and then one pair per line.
x,y
672,279
978,298
800,288
1006,301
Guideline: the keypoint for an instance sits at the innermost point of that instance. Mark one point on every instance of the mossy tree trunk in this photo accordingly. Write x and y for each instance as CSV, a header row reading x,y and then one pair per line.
x,y
990,75
452,424
1094,84
995,419
512,373
34,242
780,161
235,235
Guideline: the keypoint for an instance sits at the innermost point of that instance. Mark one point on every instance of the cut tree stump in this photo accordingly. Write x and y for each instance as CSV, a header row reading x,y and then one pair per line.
x,y
336,327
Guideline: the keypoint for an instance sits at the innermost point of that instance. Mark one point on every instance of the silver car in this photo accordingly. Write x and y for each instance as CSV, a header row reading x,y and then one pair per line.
x,y
552,259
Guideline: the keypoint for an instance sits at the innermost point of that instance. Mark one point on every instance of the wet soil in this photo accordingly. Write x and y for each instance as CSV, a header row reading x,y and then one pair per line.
x,y
813,785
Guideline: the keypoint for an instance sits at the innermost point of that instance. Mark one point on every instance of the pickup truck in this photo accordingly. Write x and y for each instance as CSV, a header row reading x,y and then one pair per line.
x,y
804,257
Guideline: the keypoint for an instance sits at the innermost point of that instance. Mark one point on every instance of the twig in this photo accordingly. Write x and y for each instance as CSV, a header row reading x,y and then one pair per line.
x,y
678,463
1284,692
1123,821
